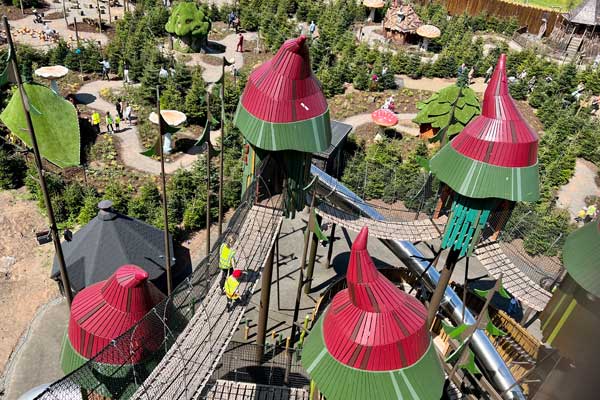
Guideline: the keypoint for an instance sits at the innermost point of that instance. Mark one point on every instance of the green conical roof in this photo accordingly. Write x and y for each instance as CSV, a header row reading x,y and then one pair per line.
x,y
581,256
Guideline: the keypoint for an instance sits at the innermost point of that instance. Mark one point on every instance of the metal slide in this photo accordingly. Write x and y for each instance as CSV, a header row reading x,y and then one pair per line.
x,y
493,365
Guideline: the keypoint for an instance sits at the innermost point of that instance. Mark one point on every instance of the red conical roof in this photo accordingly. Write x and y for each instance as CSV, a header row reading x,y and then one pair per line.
x,y
373,325
499,136
284,89
107,309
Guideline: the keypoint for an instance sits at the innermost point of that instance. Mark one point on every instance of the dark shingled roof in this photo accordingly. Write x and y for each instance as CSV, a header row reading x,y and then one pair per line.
x,y
587,13
109,241
339,131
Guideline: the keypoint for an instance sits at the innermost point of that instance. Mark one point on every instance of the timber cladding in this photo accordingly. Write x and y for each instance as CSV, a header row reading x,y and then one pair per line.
x,y
527,16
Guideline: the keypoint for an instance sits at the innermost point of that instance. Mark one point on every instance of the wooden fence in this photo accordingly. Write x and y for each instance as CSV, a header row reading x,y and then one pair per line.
x,y
530,17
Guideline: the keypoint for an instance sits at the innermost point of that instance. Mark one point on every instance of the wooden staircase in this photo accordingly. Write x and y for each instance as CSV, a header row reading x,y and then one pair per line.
x,y
574,45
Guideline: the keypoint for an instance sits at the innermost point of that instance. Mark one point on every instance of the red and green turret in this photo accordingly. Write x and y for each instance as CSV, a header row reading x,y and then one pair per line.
x,y
284,117
372,341
488,167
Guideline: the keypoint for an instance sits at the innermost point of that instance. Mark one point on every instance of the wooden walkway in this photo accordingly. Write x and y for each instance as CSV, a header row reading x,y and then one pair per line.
x,y
494,260
186,368
228,390
412,231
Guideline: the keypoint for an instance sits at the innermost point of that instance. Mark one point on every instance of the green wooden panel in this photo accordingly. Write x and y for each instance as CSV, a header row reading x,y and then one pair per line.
x,y
581,257
309,136
477,179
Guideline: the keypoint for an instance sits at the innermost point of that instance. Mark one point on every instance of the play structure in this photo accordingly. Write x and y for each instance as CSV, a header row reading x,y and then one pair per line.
x,y
284,118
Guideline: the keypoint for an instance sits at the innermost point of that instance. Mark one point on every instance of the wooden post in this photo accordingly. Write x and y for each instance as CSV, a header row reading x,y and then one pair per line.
x,y
40,169
76,31
301,277
440,203
222,94
208,119
330,248
314,242
99,15
163,179
64,9
505,209
442,284
263,307
109,15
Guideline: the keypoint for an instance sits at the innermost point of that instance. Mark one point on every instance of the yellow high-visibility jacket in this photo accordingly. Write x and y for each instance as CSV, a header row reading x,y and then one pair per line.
x,y
95,118
226,257
231,287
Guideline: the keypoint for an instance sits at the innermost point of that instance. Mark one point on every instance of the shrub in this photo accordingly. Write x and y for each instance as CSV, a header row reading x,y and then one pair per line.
x,y
12,170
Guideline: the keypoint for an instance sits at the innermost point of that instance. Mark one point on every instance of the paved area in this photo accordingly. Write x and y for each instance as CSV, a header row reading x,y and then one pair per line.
x,y
37,360
582,184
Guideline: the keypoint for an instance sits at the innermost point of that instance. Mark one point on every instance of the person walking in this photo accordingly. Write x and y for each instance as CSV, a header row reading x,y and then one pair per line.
x,y
117,123
127,114
126,73
471,74
231,288
230,19
312,27
590,214
105,69
240,44
109,123
119,109
226,259
96,122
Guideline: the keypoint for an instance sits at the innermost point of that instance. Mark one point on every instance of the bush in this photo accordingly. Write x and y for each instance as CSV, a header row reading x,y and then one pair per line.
x,y
12,170
190,23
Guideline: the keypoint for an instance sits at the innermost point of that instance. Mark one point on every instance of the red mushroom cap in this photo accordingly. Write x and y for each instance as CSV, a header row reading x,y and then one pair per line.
x,y
384,117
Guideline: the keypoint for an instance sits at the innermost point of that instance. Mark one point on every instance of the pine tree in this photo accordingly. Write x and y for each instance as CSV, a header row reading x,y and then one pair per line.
x,y
171,97
194,100
149,79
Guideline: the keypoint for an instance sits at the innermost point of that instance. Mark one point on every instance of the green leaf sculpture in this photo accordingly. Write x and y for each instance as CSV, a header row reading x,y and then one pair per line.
x,y
449,111
190,23
54,120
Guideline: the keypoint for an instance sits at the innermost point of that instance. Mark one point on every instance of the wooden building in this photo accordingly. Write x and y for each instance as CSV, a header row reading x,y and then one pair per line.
x,y
400,24
578,31
571,320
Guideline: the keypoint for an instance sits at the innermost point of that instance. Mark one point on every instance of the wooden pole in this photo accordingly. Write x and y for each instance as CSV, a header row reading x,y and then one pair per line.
x,y
314,242
263,307
109,14
76,32
163,179
208,119
438,294
64,8
38,163
99,15
222,94
330,249
301,277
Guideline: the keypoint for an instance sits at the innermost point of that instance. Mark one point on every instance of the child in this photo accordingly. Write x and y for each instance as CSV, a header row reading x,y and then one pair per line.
x,y
109,123
117,122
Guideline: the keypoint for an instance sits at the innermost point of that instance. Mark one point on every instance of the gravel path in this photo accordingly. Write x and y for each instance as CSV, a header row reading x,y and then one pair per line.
x,y
129,144
582,184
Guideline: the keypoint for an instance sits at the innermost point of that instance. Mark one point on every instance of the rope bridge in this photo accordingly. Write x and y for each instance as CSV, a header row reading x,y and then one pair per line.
x,y
196,325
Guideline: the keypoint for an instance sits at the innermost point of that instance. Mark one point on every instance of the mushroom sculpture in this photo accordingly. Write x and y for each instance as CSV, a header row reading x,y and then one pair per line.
x,y
52,73
373,4
372,341
383,118
174,119
428,32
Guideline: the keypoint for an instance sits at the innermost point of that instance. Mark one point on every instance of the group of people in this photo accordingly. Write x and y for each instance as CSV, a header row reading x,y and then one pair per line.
x,y
230,276
124,112
465,74
586,214
233,21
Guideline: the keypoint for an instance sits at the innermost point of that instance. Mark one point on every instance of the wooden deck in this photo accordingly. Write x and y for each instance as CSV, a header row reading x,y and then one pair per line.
x,y
189,364
227,390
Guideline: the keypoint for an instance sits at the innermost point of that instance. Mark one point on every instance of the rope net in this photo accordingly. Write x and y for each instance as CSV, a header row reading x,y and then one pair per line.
x,y
116,377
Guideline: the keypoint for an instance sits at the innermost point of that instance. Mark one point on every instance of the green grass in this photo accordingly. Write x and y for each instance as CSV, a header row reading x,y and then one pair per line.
x,y
54,121
554,5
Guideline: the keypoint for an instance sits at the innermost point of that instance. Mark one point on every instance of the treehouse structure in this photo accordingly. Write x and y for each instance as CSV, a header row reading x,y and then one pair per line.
x,y
578,31
486,168
372,341
284,118
101,313
571,320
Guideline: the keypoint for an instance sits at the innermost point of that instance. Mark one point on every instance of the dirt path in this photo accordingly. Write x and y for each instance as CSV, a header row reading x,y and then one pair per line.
x,y
405,123
24,268
212,73
582,184
436,84
129,143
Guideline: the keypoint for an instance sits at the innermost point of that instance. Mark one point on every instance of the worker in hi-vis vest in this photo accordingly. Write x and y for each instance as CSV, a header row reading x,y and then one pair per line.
x,y
226,259
96,122
232,284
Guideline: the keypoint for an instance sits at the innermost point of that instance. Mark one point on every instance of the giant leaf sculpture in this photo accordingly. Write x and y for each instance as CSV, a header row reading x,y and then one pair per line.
x,y
54,120
448,111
